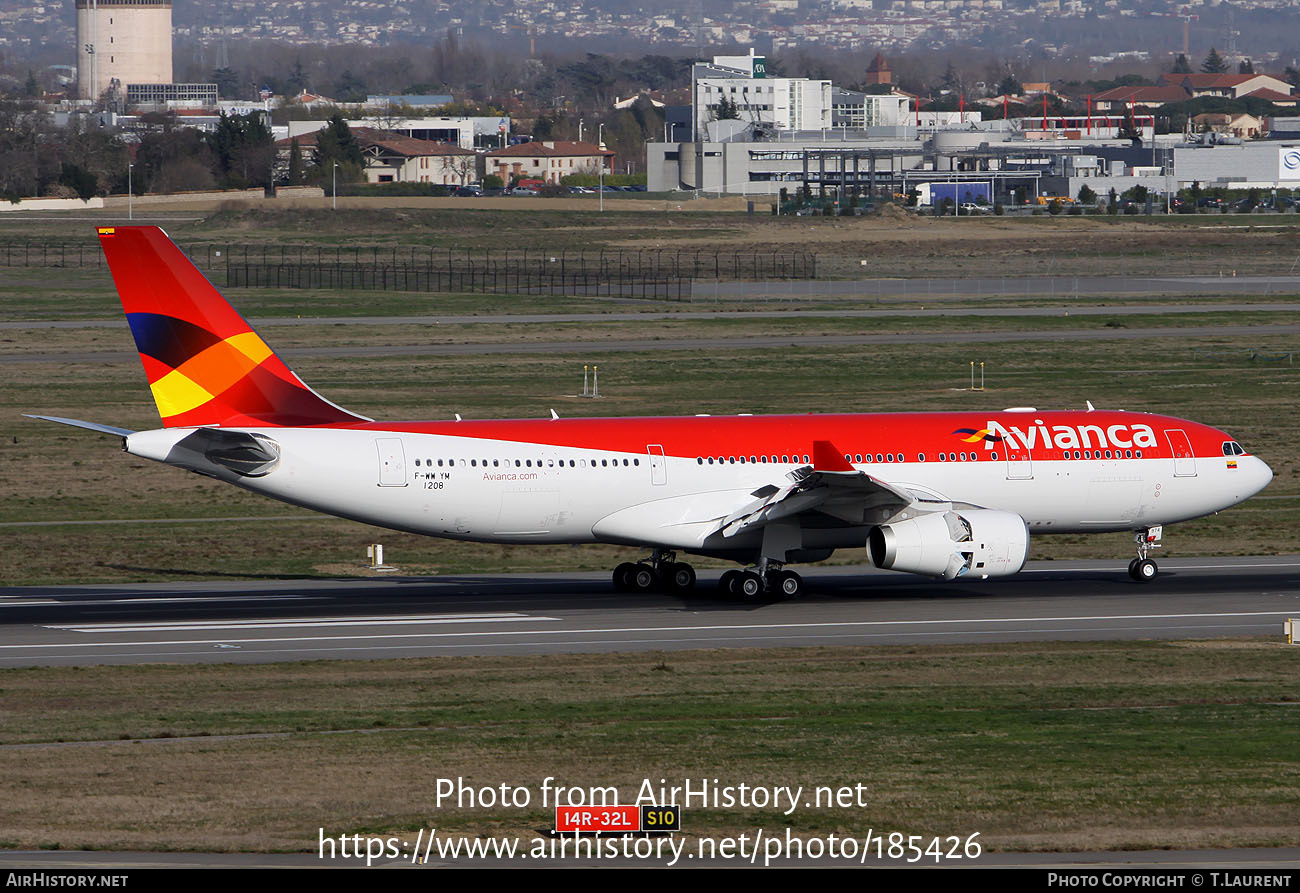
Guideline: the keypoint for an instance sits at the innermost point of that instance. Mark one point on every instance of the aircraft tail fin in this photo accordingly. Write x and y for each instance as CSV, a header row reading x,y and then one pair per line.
x,y
204,362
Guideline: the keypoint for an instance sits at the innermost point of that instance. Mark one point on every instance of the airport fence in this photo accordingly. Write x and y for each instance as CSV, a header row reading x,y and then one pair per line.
x,y
663,274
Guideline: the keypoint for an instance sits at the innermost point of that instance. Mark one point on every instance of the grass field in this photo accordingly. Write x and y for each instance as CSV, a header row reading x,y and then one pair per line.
x,y
1054,747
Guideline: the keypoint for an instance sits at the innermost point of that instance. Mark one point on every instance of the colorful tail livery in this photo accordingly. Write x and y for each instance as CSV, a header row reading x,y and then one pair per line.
x,y
943,495
204,362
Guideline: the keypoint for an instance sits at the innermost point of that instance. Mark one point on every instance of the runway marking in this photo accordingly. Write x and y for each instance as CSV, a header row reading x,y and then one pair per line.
x,y
648,629
291,623
19,602
623,642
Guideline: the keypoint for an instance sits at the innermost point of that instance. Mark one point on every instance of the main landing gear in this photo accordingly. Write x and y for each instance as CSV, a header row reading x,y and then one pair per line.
x,y
768,581
661,571
1143,569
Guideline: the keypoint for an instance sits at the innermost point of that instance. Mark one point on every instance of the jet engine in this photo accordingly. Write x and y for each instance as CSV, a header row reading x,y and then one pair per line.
x,y
981,542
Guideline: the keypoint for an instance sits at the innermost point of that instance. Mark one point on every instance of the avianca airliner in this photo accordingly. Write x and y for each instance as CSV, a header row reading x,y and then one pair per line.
x,y
945,495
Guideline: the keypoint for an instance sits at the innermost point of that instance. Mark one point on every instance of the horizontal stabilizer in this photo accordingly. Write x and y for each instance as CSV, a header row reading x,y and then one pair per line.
x,y
78,423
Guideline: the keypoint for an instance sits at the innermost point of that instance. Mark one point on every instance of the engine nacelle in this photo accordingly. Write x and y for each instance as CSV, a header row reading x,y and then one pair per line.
x,y
981,542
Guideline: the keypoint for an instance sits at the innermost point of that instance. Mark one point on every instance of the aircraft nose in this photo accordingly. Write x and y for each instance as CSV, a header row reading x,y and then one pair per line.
x,y
1266,475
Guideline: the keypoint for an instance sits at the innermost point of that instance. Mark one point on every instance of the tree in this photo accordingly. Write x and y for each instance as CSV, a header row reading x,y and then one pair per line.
x,y
173,160
1245,67
244,151
465,167
227,81
1086,195
297,81
1181,65
80,180
952,81
1214,63
295,163
1137,194
335,144
350,88
1010,86
727,110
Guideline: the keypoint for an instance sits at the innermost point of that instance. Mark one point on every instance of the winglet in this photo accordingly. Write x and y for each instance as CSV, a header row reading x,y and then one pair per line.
x,y
826,458
204,362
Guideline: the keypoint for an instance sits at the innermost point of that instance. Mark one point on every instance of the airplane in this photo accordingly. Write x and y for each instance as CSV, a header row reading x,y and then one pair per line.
x,y
947,495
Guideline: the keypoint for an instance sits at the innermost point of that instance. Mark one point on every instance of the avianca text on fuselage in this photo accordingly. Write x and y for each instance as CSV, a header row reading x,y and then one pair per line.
x,y
1038,433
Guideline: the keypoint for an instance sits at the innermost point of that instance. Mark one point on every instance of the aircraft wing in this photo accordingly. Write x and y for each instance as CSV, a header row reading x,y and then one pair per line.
x,y
854,497
830,486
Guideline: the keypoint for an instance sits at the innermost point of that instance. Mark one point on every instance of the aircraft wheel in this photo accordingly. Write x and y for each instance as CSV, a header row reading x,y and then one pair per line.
x,y
1145,571
681,577
727,582
789,584
623,576
750,586
1132,568
643,578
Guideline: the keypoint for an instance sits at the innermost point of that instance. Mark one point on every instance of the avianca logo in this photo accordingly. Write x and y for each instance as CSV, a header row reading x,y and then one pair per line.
x,y
1063,437
970,435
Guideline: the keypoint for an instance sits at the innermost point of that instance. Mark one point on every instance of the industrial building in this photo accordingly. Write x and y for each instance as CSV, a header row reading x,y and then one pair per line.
x,y
122,42
872,145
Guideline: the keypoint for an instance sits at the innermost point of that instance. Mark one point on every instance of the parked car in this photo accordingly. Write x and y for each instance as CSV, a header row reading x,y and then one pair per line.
x,y
467,191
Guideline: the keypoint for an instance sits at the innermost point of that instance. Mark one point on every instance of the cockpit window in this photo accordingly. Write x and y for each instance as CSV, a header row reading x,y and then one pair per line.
x,y
1232,448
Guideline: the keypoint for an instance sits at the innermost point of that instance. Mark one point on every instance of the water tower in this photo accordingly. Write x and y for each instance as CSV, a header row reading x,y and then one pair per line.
x,y
122,42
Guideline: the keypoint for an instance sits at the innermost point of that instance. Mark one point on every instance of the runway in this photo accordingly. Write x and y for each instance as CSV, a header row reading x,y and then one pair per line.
x,y
560,613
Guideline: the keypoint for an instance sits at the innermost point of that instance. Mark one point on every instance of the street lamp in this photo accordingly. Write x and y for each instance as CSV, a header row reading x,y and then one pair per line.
x,y
335,189
600,138
130,202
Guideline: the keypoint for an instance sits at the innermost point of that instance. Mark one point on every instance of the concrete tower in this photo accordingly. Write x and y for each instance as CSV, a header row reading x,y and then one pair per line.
x,y
122,42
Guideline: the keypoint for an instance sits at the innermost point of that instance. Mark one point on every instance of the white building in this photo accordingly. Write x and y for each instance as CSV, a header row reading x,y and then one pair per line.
x,y
1239,165
855,110
457,131
740,83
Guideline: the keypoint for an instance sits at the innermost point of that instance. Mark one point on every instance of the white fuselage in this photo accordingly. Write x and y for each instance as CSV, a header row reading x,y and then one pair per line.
x,y
511,492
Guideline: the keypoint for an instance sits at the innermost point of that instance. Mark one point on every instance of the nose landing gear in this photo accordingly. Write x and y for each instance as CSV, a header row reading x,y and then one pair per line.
x,y
1143,569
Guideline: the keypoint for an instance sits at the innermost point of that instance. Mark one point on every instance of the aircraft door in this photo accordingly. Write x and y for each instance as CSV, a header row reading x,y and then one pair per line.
x,y
658,465
1181,449
1020,465
392,462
